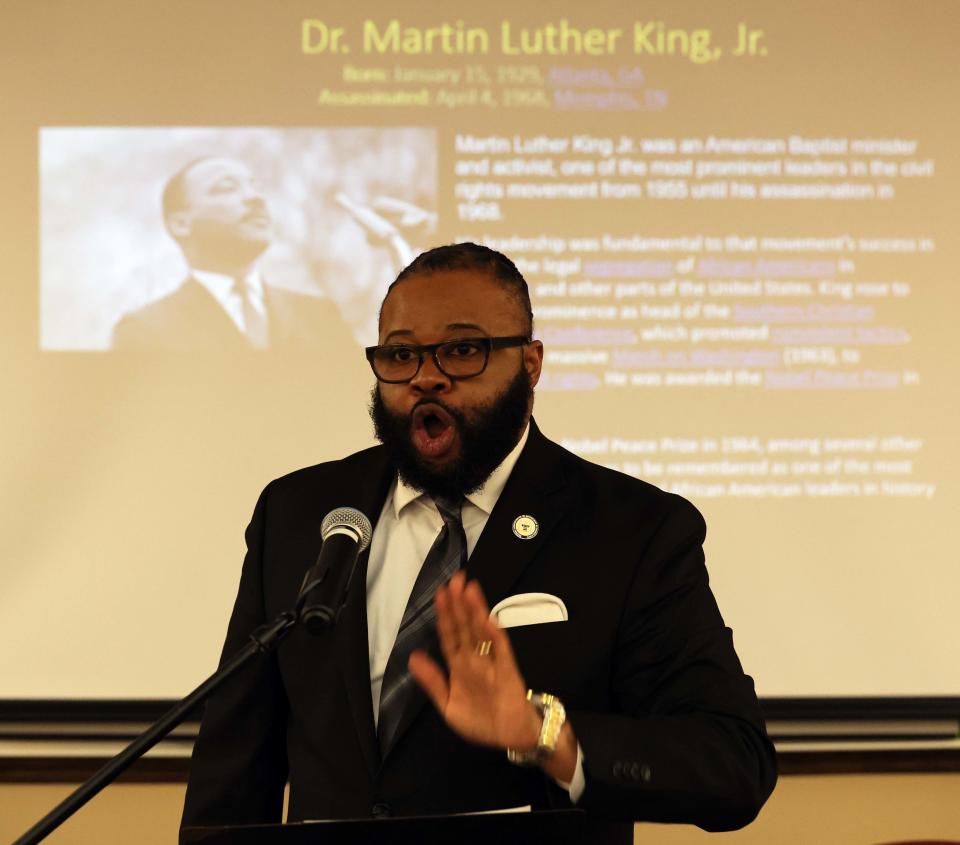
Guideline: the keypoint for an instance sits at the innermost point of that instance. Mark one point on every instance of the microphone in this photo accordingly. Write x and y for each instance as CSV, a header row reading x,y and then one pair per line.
x,y
346,533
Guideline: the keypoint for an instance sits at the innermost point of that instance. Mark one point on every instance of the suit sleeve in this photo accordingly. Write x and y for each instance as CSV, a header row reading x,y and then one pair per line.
x,y
239,766
686,741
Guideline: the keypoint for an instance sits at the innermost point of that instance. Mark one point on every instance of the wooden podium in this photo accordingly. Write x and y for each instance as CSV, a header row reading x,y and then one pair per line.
x,y
555,827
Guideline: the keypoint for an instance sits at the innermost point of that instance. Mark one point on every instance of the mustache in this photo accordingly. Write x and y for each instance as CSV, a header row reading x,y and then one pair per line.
x,y
256,207
487,433
455,413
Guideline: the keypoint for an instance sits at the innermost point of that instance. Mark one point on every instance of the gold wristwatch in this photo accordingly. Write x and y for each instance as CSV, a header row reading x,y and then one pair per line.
x,y
551,708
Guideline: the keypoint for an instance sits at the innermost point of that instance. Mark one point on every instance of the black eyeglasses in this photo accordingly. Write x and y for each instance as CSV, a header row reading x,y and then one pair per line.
x,y
465,357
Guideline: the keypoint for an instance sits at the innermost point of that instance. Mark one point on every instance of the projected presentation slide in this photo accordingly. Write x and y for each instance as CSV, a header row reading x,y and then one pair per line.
x,y
146,234
736,222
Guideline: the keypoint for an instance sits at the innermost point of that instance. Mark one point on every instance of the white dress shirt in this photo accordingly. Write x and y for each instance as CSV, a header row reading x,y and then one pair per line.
x,y
226,291
408,525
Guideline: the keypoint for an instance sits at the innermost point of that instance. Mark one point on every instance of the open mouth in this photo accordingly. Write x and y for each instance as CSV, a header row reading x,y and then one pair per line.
x,y
433,430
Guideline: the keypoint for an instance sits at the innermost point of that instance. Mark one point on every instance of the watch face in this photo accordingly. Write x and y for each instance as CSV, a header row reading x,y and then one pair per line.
x,y
554,716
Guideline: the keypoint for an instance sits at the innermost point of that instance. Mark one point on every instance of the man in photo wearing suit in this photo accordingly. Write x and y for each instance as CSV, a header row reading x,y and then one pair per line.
x,y
603,678
215,211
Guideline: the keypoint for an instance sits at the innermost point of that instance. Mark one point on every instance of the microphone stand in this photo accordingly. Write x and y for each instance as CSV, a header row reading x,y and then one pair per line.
x,y
263,640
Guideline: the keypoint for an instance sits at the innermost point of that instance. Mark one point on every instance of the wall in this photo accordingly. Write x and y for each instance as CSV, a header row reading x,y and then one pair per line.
x,y
822,810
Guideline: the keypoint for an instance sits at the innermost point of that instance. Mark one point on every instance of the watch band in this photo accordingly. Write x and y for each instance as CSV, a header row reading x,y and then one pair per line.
x,y
554,715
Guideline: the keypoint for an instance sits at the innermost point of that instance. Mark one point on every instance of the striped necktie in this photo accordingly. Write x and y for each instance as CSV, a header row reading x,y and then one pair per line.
x,y
418,627
254,316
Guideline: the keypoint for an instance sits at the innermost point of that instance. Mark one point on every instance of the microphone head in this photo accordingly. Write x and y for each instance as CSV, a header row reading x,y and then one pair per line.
x,y
351,519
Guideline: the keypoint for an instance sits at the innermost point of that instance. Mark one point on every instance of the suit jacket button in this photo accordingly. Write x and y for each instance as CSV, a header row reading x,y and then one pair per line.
x,y
380,810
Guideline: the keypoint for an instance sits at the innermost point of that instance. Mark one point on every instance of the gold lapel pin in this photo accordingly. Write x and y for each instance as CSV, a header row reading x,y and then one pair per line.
x,y
525,527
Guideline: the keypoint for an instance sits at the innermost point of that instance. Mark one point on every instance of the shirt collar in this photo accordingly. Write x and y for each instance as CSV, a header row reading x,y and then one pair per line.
x,y
484,498
222,286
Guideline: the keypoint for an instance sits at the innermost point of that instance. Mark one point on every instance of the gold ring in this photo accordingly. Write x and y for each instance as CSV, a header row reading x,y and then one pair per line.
x,y
483,647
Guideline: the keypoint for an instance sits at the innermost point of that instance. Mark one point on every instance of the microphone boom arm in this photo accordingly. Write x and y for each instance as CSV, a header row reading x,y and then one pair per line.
x,y
262,640
346,532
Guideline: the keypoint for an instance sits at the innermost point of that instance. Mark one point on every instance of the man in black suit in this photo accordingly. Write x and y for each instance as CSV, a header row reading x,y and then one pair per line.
x,y
638,708
215,211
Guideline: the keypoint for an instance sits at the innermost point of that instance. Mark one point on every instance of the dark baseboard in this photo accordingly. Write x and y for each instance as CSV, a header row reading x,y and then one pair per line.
x,y
72,770
861,708
848,722
775,708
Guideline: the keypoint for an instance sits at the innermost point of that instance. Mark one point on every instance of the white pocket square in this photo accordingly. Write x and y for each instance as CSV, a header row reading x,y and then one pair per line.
x,y
529,609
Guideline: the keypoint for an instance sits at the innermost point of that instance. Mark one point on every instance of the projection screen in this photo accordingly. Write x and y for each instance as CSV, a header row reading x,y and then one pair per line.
x,y
737,224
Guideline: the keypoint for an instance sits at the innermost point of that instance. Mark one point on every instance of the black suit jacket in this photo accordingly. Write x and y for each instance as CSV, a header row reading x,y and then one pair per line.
x,y
190,318
668,723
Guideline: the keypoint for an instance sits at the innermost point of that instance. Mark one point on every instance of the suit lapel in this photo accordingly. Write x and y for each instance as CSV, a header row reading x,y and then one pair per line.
x,y
209,323
365,490
353,656
535,488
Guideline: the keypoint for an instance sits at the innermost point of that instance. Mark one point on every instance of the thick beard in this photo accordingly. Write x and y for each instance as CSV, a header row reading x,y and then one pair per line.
x,y
486,437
